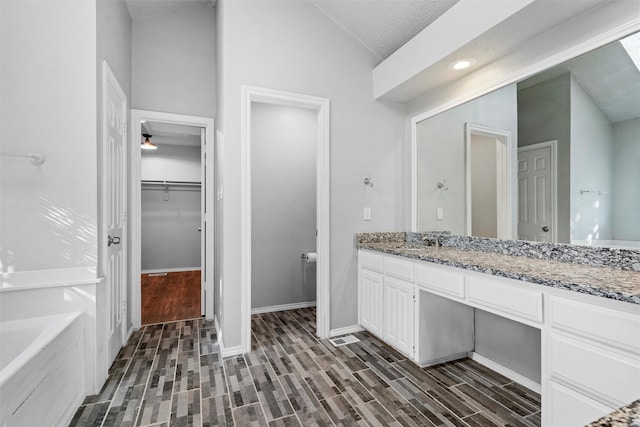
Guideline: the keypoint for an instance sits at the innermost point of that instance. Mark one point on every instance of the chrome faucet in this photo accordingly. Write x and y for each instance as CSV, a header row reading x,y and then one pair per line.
x,y
434,242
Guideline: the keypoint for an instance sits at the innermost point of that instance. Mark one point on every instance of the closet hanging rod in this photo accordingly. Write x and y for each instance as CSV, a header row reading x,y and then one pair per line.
x,y
165,183
36,158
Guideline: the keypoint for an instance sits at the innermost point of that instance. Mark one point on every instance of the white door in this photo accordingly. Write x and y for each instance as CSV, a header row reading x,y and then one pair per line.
x,y
370,301
398,321
208,223
114,167
536,202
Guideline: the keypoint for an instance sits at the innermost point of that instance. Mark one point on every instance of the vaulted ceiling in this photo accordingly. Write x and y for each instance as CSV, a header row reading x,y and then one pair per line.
x,y
383,26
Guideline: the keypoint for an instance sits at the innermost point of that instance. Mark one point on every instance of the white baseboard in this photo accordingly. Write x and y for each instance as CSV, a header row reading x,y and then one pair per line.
x,y
171,270
231,351
283,307
512,375
346,330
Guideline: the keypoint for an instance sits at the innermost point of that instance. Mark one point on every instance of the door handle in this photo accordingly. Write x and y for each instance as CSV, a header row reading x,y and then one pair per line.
x,y
113,240
545,228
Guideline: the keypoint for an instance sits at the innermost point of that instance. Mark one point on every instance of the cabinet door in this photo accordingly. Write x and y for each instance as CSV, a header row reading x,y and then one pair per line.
x,y
370,301
398,321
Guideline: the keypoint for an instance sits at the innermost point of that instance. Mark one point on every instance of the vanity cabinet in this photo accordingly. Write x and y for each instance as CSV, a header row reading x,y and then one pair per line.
x,y
386,299
590,345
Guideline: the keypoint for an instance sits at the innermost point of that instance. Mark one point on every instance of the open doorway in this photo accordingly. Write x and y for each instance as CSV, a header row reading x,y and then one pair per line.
x,y
171,217
283,208
489,182
171,222
285,190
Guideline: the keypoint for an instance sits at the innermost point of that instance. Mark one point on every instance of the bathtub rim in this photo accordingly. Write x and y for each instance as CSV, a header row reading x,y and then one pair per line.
x,y
50,332
59,277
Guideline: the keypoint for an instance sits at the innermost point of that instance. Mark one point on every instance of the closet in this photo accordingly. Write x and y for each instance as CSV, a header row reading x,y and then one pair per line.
x,y
171,200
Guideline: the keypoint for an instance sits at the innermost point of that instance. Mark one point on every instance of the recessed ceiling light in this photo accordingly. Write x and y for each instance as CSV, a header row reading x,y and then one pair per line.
x,y
461,64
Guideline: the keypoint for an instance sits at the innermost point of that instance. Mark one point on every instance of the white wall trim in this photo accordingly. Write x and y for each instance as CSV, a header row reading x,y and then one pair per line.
x,y
505,197
135,199
345,330
250,95
283,307
509,373
553,144
170,270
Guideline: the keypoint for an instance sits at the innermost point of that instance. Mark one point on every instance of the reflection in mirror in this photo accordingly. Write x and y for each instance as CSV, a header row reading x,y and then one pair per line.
x,y
575,167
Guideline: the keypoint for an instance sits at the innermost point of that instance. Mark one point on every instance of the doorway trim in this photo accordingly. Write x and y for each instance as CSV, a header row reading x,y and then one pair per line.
x,y
504,183
553,145
251,95
135,259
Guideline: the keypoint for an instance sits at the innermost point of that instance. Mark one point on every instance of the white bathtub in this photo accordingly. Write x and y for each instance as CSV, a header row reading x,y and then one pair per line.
x,y
42,372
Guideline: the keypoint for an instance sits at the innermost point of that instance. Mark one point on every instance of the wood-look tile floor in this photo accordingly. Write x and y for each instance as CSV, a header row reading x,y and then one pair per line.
x,y
169,297
173,374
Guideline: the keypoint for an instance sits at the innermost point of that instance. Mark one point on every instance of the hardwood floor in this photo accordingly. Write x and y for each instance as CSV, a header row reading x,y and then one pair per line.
x,y
174,374
174,296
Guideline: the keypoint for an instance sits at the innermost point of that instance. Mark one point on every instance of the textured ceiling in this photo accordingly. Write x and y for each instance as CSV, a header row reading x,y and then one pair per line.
x,y
608,75
382,26
144,8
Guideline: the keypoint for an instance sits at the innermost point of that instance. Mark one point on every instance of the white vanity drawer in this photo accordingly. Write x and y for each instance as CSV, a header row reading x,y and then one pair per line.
x,y
502,296
441,280
612,327
611,377
371,261
399,269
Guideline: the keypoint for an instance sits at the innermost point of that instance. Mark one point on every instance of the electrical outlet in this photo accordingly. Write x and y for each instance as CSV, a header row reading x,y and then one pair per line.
x,y
439,213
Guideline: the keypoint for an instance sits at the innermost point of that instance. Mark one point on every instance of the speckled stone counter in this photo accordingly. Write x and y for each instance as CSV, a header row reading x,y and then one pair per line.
x,y
615,283
626,416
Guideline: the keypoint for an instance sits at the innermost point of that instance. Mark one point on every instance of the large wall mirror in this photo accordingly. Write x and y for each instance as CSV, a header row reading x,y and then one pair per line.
x,y
555,157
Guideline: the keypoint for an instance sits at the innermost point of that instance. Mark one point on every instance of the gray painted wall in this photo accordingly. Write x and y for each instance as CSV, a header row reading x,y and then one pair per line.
x,y
441,155
626,180
169,237
509,343
591,163
174,62
283,204
544,114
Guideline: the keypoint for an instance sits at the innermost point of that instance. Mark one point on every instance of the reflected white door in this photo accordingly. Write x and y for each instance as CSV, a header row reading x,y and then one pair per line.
x,y
114,167
203,221
536,200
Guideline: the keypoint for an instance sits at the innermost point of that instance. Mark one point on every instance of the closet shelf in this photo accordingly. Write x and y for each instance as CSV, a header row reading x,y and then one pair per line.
x,y
171,183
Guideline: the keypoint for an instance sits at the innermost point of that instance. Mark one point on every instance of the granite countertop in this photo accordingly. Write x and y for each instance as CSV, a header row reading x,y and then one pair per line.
x,y
626,416
600,281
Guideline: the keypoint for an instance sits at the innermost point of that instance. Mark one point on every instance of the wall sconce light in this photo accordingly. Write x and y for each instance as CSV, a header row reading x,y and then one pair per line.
x,y
442,185
147,144
368,181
